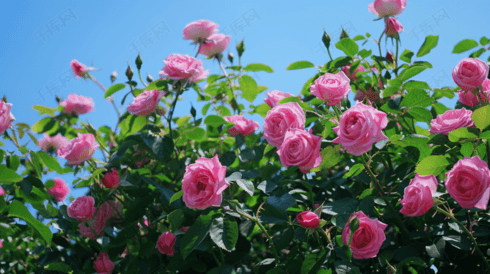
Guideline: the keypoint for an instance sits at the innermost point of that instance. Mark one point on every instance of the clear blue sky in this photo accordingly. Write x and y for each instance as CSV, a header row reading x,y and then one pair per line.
x,y
40,38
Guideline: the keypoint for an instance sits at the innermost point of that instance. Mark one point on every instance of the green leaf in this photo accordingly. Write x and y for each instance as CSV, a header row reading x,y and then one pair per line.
x,y
467,149
342,267
45,110
8,176
406,56
465,45
300,65
245,184
432,165
420,114
196,134
463,134
113,89
481,117
249,88
132,124
272,215
175,218
387,92
258,67
331,156
348,46
313,261
61,267
195,235
50,162
429,43
289,99
416,97
158,84
176,196
411,72
224,232
354,171
52,211
484,41
43,125
411,85
214,120
19,210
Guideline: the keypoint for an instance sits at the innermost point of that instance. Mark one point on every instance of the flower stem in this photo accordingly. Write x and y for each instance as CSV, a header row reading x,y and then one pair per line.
x,y
329,54
111,99
379,43
231,85
465,230
141,79
396,59
198,49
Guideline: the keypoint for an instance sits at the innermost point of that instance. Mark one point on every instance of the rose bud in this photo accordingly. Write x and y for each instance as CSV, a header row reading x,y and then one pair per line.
x,y
308,219
368,237
59,191
393,27
82,208
166,243
6,117
79,69
103,264
111,179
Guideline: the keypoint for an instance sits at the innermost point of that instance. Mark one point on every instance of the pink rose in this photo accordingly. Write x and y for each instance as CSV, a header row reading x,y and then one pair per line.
x,y
1,243
146,103
215,44
111,179
6,117
331,87
242,125
359,128
200,30
451,120
79,149
77,104
78,68
367,239
275,96
382,8
87,232
166,243
393,26
468,98
181,67
300,148
204,183
52,143
2,192
59,191
103,265
417,198
470,73
280,119
82,208
468,182
352,76
308,219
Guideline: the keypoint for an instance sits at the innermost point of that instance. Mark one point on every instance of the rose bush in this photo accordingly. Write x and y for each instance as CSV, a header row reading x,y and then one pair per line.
x,y
392,182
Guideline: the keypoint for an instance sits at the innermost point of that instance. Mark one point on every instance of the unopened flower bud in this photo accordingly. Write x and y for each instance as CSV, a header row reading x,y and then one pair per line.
x,y
149,78
138,62
344,34
230,57
389,56
113,76
326,39
240,48
129,73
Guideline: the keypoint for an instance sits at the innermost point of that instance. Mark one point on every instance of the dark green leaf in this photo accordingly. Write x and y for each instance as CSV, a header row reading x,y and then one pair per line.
x,y
176,196
19,210
43,125
50,162
214,120
420,114
224,232
8,176
406,56
195,235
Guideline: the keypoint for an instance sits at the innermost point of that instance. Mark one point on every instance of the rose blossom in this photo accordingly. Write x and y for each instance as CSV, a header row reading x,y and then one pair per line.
x,y
331,87
469,99
468,182
146,103
6,117
78,68
275,96
199,30
111,179
280,119
77,104
78,149
352,76
451,120
367,239
103,264
308,219
52,143
181,67
382,8
300,148
215,44
87,232
417,198
359,128
59,191
242,125
203,183
82,208
2,192
166,243
393,26
470,73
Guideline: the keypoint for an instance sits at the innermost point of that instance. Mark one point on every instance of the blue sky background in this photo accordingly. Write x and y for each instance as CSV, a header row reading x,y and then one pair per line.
x,y
40,38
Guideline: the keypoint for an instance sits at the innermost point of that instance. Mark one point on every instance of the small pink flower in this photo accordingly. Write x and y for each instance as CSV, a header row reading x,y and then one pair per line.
x,y
367,239
77,104
302,149
52,143
146,103
2,192
393,26
468,98
111,179
243,125
275,96
316,206
82,208
383,8
331,88
59,191
417,198
78,68
184,228
204,183
470,73
103,265
215,44
451,120
352,76
166,243
200,30
1,243
79,149
6,117
308,219
181,67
